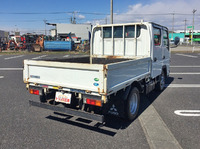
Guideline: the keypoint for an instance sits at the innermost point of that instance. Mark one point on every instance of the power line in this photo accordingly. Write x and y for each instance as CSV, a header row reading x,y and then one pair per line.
x,y
39,20
90,13
93,13
32,13
153,14
39,13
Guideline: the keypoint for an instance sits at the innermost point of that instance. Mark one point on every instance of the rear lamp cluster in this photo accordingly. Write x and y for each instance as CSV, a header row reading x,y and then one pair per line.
x,y
34,91
93,102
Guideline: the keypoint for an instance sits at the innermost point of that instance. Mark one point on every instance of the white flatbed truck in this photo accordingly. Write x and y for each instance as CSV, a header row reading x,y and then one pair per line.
x,y
125,61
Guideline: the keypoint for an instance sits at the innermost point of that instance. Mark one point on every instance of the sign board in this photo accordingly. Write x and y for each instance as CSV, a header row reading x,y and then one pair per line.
x,y
190,27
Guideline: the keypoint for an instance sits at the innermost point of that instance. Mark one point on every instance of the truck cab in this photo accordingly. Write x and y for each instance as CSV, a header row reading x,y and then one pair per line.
x,y
144,39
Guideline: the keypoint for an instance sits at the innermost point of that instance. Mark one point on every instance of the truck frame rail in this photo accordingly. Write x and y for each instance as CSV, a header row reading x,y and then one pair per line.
x,y
82,114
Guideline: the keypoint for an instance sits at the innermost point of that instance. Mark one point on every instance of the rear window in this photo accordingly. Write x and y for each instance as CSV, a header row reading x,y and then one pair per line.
x,y
118,32
130,31
107,32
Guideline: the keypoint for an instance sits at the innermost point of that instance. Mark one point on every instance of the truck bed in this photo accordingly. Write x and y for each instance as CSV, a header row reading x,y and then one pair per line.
x,y
86,60
104,76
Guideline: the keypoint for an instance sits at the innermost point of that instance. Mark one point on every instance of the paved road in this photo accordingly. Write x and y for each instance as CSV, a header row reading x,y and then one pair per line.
x,y
185,71
22,126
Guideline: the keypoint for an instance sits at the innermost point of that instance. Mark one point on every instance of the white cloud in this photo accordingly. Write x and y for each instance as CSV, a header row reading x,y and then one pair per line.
x,y
96,21
161,12
81,16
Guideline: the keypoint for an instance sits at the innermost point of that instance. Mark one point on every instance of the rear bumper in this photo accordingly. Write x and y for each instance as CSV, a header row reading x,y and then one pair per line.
x,y
99,118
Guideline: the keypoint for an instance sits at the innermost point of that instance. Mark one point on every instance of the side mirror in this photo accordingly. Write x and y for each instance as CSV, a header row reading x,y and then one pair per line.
x,y
176,41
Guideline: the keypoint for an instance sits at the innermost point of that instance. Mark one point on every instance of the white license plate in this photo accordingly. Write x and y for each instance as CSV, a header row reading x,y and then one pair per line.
x,y
64,98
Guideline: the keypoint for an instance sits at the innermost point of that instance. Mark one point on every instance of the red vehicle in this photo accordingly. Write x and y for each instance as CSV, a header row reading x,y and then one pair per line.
x,y
16,43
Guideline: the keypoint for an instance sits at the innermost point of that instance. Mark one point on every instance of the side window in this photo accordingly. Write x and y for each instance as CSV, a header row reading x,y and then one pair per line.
x,y
157,36
130,31
138,31
107,32
118,32
165,38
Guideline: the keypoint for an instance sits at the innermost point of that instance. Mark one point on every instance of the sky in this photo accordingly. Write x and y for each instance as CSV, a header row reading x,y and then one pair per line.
x,y
29,15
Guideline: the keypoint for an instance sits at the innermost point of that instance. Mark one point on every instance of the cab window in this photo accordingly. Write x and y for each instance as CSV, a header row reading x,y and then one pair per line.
x,y
165,38
157,36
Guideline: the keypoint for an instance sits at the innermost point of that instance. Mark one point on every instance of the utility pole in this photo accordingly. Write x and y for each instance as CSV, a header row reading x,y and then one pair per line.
x,y
185,28
45,21
73,19
111,11
194,10
172,26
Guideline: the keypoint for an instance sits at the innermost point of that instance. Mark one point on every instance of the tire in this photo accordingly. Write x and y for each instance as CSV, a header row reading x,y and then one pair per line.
x,y
132,104
161,84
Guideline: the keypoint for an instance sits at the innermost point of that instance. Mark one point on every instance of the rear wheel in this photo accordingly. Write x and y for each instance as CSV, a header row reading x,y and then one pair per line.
x,y
132,104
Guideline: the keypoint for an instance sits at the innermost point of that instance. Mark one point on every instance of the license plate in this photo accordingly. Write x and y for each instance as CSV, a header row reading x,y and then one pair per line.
x,y
63,97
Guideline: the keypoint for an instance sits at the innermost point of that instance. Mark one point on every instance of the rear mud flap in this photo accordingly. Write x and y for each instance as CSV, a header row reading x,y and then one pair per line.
x,y
116,103
115,106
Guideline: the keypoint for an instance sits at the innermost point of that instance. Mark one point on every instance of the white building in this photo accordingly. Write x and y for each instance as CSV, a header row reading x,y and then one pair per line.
x,y
82,31
187,31
53,32
3,36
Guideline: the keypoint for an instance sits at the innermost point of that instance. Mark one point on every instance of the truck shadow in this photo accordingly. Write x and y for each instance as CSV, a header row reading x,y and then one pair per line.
x,y
147,100
112,124
82,123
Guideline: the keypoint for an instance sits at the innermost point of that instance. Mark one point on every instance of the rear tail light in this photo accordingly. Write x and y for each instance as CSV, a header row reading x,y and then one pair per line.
x,y
34,91
93,102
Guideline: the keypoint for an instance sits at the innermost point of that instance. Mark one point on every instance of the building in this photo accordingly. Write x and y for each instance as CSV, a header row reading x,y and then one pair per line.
x,y
185,37
3,36
196,36
82,31
172,36
53,32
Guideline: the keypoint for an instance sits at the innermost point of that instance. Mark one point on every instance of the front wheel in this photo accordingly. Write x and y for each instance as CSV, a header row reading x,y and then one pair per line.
x,y
132,104
161,84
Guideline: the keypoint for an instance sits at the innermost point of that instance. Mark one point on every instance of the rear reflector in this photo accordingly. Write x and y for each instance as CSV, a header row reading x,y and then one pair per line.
x,y
34,91
93,102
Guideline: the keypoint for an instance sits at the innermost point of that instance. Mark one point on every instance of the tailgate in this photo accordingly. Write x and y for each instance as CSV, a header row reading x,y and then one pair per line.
x,y
88,77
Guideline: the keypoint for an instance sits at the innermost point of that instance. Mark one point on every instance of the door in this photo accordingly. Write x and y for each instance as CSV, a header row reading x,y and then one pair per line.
x,y
157,58
165,49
